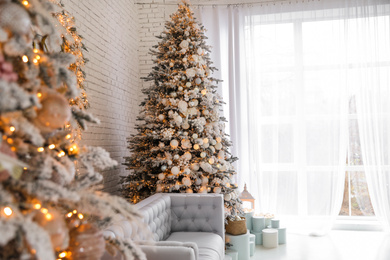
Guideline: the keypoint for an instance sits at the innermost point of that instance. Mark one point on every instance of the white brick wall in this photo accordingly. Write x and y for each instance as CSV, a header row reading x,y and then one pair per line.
x,y
110,31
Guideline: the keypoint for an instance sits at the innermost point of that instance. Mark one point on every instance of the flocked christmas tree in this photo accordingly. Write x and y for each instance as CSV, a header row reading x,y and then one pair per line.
x,y
47,209
181,145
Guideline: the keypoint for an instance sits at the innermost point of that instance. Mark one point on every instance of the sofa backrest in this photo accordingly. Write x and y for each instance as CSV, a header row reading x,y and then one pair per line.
x,y
156,213
197,213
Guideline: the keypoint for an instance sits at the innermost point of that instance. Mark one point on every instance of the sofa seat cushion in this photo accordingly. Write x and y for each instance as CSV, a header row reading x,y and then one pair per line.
x,y
211,246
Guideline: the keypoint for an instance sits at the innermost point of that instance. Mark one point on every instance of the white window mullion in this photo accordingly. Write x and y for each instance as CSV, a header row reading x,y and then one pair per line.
x,y
300,124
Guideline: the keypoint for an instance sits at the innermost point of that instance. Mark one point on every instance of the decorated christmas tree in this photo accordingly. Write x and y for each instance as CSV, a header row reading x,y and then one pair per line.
x,y
180,145
48,209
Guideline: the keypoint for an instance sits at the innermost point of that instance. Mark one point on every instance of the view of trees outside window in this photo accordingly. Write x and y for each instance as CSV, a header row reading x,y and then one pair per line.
x,y
356,201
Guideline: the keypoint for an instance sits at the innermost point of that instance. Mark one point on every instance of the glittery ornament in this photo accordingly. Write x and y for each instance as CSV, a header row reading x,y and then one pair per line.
x,y
163,168
86,242
14,18
217,190
54,114
198,81
54,224
228,197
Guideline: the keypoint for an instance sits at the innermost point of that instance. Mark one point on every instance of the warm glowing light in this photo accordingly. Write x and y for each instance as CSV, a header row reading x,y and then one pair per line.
x,y
49,216
37,206
204,92
12,129
25,59
25,3
39,95
61,154
52,146
69,215
80,216
68,136
196,146
74,211
44,210
25,168
218,139
205,141
37,57
8,211
211,160
35,61
41,149
10,141
62,255
35,50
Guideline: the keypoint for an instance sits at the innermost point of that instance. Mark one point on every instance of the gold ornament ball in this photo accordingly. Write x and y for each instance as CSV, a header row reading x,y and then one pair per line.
x,y
86,242
55,112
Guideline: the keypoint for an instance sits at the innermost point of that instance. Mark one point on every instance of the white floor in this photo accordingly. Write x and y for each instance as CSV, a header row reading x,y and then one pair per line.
x,y
337,245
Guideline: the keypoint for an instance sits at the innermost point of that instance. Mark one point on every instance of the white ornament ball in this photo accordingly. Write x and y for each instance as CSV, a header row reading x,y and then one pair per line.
x,y
219,139
188,84
176,157
206,145
203,154
54,114
221,155
174,143
213,142
161,117
163,168
161,176
169,162
185,125
205,112
217,190
180,88
14,18
196,90
228,197
187,156
198,81
175,170
195,136
195,167
196,146
173,94
218,146
211,160
206,167
186,181
182,106
161,145
198,181
171,64
205,180
164,101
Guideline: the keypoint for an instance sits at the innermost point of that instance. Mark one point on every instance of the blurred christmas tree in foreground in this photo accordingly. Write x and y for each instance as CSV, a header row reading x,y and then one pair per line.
x,y
47,210
181,145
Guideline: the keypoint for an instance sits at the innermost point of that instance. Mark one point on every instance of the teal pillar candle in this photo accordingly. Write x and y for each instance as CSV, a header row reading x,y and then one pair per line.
x,y
258,224
251,248
240,243
282,235
275,223
248,217
268,221
258,237
232,253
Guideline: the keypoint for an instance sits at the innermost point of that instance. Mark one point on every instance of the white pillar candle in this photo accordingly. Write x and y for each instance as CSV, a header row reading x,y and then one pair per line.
x,y
282,234
275,223
270,238
258,224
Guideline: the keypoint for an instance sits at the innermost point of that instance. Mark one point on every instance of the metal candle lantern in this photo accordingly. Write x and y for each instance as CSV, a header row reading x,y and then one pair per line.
x,y
247,200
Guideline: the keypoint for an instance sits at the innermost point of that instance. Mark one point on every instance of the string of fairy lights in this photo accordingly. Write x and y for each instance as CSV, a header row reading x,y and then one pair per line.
x,y
76,48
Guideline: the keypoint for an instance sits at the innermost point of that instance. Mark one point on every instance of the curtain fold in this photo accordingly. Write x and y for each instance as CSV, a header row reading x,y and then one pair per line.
x,y
290,72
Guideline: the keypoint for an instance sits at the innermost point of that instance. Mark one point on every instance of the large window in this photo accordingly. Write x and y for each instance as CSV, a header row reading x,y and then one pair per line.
x,y
304,91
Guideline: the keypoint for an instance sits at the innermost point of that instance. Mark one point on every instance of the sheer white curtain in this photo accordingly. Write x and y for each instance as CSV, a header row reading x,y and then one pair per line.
x,y
288,72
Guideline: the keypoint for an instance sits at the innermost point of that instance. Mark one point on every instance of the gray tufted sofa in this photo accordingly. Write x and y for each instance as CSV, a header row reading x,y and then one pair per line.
x,y
184,227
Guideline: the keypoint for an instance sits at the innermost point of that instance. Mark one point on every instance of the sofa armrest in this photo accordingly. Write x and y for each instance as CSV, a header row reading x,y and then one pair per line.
x,y
168,250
